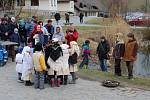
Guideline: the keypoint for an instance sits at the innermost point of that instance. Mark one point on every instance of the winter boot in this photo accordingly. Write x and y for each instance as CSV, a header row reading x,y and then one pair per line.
x,y
58,82
52,82
65,80
73,78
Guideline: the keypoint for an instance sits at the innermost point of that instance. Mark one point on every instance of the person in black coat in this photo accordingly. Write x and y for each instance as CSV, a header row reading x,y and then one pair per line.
x,y
12,25
102,51
15,36
4,28
118,53
57,17
81,17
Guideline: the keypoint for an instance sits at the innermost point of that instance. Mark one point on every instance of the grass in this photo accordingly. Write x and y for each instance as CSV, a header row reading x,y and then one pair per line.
x,y
100,76
100,21
93,33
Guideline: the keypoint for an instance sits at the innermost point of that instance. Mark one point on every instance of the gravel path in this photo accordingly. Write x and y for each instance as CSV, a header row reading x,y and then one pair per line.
x,y
10,89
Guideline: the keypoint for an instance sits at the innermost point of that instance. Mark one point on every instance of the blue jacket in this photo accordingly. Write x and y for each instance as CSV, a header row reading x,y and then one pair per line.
x,y
49,29
15,38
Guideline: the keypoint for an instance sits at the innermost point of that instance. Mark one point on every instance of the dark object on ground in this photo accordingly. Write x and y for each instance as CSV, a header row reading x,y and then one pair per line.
x,y
110,83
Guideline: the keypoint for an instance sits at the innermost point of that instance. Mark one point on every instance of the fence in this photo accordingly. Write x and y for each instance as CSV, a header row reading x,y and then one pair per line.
x,y
28,13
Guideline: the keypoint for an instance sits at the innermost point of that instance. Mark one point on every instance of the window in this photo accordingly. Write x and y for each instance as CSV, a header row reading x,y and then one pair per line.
x,y
20,2
34,2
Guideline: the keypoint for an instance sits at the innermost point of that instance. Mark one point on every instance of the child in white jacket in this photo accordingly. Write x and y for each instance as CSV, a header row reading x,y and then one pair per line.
x,y
19,64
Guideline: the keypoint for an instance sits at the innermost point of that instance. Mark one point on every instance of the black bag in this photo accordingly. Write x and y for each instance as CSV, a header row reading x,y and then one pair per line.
x,y
56,52
73,58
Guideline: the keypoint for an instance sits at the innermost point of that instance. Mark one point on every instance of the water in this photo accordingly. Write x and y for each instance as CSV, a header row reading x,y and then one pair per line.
x,y
142,65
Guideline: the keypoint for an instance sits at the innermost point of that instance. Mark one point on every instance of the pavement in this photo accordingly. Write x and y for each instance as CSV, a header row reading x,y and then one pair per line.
x,y
10,89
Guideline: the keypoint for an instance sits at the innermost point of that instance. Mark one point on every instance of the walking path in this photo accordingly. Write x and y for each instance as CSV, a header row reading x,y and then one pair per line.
x,y
10,89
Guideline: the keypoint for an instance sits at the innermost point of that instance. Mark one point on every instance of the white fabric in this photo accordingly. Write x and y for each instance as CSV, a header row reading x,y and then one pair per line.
x,y
56,66
55,40
74,48
61,65
19,65
27,62
65,56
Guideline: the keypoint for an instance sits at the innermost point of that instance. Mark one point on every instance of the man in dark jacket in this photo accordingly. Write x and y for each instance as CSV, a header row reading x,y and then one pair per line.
x,y
81,17
57,17
102,51
4,28
50,29
67,17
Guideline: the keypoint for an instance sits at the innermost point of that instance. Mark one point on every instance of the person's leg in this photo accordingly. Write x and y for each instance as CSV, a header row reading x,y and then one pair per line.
x,y
73,78
130,69
51,80
36,80
117,67
105,65
82,64
102,64
59,80
65,79
41,80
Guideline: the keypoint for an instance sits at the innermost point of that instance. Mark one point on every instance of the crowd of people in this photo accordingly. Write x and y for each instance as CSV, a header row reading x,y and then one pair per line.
x,y
50,55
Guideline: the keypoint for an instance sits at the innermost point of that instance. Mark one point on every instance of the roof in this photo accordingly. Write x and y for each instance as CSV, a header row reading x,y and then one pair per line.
x,y
89,4
63,0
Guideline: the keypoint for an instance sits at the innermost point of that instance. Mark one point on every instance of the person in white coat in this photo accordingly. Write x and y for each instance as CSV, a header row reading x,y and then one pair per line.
x,y
65,65
19,64
27,66
55,63
74,53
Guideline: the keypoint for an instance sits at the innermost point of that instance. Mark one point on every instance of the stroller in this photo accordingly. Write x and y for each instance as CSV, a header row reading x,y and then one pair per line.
x,y
3,55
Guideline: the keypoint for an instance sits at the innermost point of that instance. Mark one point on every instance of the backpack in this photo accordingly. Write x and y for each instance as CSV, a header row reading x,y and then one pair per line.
x,y
73,58
56,52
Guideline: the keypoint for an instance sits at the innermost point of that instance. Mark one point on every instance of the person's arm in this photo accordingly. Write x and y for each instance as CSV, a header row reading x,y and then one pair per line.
x,y
67,36
42,62
107,47
122,50
97,51
63,37
75,35
134,52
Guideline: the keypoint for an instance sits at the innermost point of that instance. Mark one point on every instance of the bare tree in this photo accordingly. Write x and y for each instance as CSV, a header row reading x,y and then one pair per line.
x,y
115,7
6,4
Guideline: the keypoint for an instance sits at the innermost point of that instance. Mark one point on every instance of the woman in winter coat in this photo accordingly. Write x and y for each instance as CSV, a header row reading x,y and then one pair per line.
x,y
102,51
118,53
71,35
36,36
130,54
27,66
55,64
74,53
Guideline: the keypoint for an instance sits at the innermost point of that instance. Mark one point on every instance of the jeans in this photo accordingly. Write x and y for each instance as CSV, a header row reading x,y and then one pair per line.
x,y
39,80
103,65
85,61
130,69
